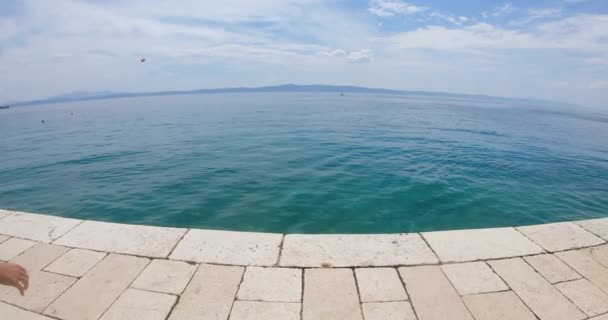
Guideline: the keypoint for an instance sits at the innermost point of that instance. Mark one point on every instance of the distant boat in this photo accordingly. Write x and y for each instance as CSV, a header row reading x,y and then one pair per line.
x,y
4,107
341,94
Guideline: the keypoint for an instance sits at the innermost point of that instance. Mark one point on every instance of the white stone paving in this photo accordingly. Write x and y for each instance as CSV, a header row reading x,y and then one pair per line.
x,y
165,276
379,285
43,228
14,247
560,236
76,262
146,241
599,227
473,277
5,213
260,310
355,250
538,294
346,277
136,304
271,284
228,247
480,244
552,268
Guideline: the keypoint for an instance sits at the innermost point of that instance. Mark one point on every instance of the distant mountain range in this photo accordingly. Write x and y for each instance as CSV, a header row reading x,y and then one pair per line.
x,y
82,96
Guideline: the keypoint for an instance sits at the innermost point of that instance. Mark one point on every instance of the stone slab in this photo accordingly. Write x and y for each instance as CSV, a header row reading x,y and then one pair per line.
x,y
13,247
98,289
44,287
330,294
271,284
228,247
76,262
43,228
498,306
600,254
399,310
165,276
355,250
473,278
379,285
5,213
585,295
602,317
144,241
136,304
432,295
538,294
560,236
588,267
257,310
210,294
552,268
599,227
480,244
9,312
3,238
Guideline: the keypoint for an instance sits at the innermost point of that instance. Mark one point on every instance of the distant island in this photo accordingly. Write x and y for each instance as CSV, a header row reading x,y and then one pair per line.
x,y
341,90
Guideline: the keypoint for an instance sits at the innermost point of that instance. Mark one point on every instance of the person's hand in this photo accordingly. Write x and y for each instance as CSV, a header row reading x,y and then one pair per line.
x,y
14,275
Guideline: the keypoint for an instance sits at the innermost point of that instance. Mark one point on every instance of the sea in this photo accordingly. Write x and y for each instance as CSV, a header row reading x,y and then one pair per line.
x,y
307,162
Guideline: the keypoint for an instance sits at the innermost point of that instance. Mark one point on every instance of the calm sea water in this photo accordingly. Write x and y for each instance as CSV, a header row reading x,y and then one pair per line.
x,y
307,163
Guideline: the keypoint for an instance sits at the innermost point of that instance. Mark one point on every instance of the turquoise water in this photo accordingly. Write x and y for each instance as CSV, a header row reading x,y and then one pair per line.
x,y
307,163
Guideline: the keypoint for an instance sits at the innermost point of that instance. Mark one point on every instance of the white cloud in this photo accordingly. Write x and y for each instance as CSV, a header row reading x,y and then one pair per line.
x,y
361,56
503,10
599,84
534,14
386,8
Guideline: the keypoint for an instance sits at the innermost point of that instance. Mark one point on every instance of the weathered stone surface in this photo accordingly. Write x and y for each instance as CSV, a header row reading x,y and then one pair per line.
x,y
98,289
538,294
473,277
258,310
399,310
165,276
588,267
136,304
586,296
44,287
379,285
330,294
552,268
13,247
432,295
210,294
560,236
599,227
3,238
602,317
5,213
271,284
355,250
36,226
228,247
480,244
498,306
600,254
145,241
75,262
9,312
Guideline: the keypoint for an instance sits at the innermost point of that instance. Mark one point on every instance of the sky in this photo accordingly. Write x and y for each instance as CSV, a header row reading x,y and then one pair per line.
x,y
555,50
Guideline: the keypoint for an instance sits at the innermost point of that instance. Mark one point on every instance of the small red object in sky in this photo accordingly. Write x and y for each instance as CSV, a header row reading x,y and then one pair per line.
x,y
142,60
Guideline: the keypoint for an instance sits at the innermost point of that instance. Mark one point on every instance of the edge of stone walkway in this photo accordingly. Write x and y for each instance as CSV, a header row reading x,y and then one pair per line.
x,y
305,251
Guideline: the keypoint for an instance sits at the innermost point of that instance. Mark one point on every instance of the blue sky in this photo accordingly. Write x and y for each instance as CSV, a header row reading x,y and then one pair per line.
x,y
535,49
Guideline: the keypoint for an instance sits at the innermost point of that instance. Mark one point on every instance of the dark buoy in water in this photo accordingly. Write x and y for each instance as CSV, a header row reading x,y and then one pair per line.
x,y
71,113
341,94
41,121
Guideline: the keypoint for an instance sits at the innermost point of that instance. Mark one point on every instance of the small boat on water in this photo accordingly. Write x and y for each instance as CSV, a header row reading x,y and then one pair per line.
x,y
4,107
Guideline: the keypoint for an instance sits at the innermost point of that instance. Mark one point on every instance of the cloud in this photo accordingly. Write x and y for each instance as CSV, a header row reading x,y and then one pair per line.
x,y
503,10
599,84
361,56
387,8
534,14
